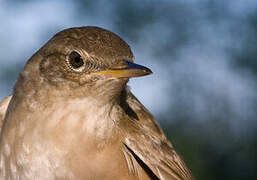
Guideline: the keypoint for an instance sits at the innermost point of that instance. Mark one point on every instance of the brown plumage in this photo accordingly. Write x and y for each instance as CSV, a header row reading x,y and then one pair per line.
x,y
72,117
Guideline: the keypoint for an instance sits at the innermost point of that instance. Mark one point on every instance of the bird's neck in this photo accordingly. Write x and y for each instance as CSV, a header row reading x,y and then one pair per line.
x,y
88,118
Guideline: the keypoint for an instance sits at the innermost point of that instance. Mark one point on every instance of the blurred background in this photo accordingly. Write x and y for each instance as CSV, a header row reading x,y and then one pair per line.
x,y
203,54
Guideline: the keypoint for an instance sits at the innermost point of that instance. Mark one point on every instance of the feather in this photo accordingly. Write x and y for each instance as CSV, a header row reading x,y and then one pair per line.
x,y
150,145
3,107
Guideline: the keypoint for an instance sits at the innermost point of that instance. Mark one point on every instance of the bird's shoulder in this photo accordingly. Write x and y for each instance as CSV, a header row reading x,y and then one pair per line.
x,y
140,114
146,144
3,107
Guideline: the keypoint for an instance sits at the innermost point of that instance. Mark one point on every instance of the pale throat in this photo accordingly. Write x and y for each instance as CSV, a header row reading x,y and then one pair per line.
x,y
91,111
86,115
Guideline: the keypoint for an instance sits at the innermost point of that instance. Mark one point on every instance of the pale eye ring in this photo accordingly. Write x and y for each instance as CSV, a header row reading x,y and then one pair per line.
x,y
75,61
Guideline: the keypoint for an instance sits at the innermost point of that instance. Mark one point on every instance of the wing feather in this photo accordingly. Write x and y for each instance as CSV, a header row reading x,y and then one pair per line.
x,y
144,116
151,146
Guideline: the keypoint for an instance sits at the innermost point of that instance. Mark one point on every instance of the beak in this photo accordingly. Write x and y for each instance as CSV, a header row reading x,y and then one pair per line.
x,y
127,70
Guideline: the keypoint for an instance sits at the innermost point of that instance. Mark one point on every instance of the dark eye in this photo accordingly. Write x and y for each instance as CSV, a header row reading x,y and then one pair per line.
x,y
75,60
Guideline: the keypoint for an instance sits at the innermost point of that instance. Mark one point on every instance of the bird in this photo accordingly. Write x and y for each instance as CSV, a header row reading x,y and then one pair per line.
x,y
71,115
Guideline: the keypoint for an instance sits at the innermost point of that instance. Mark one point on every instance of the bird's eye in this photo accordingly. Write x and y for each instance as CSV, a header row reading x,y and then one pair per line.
x,y
75,60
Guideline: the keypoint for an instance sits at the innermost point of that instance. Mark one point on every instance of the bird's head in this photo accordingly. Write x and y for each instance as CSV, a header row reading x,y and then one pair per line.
x,y
83,60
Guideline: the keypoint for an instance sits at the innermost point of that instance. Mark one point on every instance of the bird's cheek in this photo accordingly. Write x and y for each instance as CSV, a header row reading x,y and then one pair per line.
x,y
87,79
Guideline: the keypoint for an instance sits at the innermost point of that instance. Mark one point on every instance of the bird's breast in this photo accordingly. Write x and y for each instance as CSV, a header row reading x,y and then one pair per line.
x,y
71,140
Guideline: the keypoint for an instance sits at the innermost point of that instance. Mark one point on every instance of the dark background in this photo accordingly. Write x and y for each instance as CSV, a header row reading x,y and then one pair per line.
x,y
203,54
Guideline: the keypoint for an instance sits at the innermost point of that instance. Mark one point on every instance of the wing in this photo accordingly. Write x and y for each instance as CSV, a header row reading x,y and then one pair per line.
x,y
3,107
142,114
149,146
